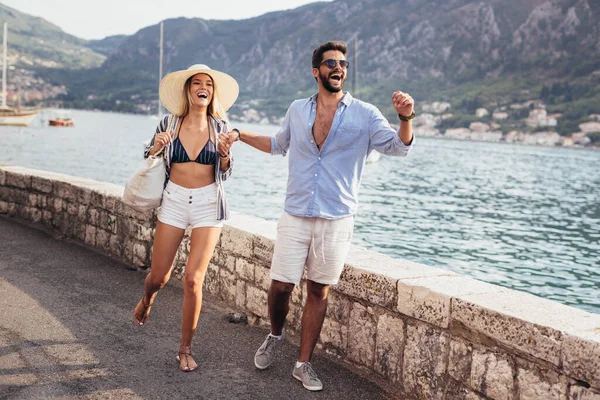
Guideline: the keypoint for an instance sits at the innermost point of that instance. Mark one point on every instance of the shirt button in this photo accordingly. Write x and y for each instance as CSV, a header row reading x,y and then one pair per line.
x,y
312,192
312,141
315,174
319,158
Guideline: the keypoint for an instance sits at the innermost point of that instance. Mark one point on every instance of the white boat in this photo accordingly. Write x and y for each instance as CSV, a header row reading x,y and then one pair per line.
x,y
16,117
9,115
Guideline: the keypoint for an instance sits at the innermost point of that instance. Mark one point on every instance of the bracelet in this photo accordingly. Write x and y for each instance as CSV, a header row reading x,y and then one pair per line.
x,y
222,156
239,134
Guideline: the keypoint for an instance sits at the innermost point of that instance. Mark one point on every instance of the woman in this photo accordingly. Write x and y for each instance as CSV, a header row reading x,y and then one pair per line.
x,y
193,196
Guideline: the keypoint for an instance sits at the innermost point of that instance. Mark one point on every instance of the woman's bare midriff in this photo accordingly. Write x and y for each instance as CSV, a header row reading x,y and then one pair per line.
x,y
192,175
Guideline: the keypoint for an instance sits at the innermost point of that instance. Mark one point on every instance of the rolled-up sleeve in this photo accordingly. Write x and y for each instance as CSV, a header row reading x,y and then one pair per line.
x,y
384,138
227,173
161,127
280,143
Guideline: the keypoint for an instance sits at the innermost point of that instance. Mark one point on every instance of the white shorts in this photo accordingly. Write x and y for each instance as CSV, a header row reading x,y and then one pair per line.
x,y
320,244
182,207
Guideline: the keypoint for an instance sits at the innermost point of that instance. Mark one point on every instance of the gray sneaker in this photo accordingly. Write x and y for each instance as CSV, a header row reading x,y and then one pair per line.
x,y
307,375
264,355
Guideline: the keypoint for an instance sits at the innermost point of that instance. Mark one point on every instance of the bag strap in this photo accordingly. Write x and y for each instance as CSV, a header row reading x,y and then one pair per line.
x,y
169,130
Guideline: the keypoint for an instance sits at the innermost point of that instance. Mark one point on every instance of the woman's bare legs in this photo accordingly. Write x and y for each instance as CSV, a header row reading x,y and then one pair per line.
x,y
166,242
202,246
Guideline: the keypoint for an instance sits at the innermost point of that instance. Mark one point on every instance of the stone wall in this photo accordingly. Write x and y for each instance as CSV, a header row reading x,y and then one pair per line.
x,y
427,333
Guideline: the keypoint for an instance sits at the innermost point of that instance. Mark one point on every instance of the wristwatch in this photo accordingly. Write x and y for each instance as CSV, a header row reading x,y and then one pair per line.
x,y
403,118
239,134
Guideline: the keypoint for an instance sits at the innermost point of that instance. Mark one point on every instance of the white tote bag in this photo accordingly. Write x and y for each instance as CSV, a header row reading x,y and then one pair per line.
x,y
143,191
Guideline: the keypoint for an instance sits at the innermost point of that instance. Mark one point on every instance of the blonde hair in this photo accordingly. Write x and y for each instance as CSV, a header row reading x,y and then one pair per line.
x,y
214,108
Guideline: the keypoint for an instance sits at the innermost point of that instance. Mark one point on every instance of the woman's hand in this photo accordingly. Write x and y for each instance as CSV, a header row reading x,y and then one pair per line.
x,y
225,142
160,141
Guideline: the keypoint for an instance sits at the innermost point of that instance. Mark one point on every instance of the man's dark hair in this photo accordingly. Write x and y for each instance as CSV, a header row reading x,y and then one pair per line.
x,y
318,53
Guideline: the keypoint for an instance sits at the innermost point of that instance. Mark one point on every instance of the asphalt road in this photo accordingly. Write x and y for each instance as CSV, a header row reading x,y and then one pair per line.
x,y
66,333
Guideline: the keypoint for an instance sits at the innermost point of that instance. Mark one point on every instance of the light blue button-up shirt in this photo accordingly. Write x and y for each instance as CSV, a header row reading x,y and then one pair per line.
x,y
324,183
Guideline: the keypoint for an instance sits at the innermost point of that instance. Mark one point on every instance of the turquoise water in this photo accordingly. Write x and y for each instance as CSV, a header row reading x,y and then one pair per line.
x,y
522,217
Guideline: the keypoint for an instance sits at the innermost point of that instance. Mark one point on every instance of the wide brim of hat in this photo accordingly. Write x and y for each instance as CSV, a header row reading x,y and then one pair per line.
x,y
171,87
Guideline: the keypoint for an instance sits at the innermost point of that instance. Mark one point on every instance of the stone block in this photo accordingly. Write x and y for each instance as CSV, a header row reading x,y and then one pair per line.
x,y
537,384
15,179
262,249
338,307
362,331
582,393
43,185
492,375
115,245
256,301
58,206
365,285
211,280
521,334
228,261
65,191
456,391
111,223
581,356
459,363
334,336
11,209
126,211
237,242
3,206
424,361
228,286
32,200
140,255
102,239
2,177
262,277
143,233
298,293
90,235
240,294
47,218
428,299
72,209
84,195
79,231
35,215
93,216
244,269
389,347
82,213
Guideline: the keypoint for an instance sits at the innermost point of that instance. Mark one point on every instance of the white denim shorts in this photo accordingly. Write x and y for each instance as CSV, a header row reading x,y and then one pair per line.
x,y
320,244
182,207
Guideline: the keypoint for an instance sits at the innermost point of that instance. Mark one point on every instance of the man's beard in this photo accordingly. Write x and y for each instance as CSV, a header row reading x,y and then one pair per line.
x,y
327,85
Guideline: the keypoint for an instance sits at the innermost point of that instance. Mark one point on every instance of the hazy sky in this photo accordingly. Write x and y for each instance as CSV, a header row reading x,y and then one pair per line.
x,y
96,19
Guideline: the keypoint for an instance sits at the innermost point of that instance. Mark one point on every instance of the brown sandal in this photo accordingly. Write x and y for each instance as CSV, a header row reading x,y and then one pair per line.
x,y
146,311
187,352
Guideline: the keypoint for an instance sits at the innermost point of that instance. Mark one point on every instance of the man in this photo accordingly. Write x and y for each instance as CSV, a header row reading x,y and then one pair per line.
x,y
328,137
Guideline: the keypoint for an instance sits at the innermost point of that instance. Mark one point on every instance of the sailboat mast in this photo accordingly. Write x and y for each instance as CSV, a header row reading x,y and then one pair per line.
x,y
160,63
4,63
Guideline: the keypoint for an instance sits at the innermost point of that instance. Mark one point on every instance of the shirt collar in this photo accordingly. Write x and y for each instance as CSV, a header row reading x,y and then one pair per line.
x,y
346,100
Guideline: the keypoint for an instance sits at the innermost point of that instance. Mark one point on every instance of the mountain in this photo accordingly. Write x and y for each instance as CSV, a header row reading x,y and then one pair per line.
x,y
35,42
472,53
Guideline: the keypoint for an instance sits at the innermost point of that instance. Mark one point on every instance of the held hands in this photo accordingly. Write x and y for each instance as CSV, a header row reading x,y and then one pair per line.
x,y
403,103
226,141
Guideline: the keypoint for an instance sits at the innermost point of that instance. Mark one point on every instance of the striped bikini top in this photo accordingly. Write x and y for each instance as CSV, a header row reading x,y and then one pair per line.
x,y
208,155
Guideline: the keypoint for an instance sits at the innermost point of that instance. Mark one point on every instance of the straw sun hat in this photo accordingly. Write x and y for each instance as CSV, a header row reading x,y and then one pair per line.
x,y
171,87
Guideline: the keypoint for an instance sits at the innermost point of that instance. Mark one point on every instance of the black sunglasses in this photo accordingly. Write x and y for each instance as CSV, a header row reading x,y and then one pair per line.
x,y
331,63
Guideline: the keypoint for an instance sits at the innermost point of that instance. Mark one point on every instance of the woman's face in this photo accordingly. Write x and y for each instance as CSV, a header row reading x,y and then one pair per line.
x,y
201,90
